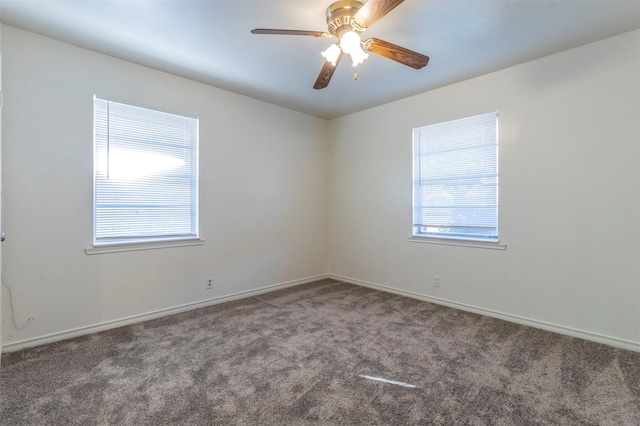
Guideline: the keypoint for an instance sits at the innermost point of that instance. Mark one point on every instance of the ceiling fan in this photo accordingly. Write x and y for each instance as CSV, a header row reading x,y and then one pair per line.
x,y
346,20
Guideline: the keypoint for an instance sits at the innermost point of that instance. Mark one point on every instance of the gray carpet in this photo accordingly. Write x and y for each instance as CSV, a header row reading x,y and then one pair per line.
x,y
316,354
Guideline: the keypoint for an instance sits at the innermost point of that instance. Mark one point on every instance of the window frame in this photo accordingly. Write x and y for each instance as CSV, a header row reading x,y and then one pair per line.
x,y
420,155
141,239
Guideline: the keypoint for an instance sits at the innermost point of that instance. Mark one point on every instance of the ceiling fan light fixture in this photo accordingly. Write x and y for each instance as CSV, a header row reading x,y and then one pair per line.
x,y
331,54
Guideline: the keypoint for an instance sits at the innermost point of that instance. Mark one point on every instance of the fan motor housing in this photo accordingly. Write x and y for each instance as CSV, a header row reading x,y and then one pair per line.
x,y
339,17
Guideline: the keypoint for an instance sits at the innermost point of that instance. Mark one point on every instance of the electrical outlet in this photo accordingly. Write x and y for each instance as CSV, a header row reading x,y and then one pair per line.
x,y
436,281
209,283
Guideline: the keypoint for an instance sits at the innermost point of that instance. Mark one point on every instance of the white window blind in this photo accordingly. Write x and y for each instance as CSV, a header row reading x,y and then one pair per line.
x,y
145,174
455,179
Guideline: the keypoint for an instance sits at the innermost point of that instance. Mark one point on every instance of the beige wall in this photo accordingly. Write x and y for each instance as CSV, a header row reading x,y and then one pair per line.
x,y
262,193
569,132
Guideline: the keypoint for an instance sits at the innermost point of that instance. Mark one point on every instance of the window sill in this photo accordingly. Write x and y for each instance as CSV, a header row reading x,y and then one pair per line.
x,y
460,243
117,248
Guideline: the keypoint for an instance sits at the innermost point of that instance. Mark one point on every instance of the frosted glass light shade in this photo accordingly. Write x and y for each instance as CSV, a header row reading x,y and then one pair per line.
x,y
331,54
350,41
358,56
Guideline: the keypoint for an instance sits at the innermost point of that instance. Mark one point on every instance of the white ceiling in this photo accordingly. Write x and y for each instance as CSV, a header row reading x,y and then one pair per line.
x,y
210,41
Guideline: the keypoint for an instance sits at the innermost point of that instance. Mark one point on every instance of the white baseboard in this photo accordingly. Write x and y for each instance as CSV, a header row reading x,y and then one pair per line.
x,y
107,325
560,329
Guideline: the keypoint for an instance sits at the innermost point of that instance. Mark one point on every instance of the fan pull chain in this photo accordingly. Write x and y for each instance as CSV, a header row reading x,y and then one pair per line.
x,y
355,74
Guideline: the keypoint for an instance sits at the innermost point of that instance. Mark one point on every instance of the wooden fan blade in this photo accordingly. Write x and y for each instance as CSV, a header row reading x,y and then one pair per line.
x,y
326,73
373,10
396,53
289,32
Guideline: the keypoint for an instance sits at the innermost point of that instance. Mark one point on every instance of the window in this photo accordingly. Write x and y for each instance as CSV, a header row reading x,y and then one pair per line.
x,y
455,179
145,175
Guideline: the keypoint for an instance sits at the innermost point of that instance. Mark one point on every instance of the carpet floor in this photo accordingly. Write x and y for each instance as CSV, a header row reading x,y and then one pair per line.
x,y
322,353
